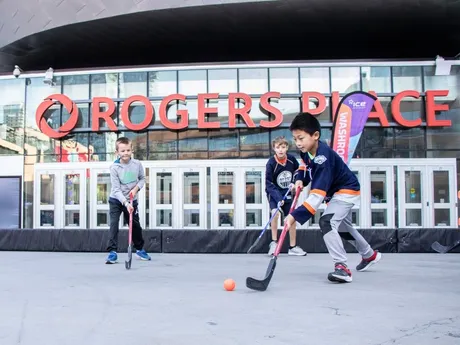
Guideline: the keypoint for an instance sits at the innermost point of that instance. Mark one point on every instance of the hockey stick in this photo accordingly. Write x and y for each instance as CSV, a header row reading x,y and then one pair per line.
x,y
271,219
436,246
130,236
262,285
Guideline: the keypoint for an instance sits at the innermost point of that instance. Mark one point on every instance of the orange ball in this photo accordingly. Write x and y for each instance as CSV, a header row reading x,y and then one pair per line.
x,y
229,284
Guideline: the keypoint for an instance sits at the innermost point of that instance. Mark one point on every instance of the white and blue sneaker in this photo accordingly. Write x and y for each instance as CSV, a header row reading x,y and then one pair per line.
x,y
112,258
141,254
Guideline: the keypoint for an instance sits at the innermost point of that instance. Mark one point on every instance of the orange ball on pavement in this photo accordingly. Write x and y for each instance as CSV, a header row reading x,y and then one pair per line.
x,y
229,284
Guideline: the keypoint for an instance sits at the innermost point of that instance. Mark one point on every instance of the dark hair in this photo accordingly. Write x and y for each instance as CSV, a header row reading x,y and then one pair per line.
x,y
306,122
122,140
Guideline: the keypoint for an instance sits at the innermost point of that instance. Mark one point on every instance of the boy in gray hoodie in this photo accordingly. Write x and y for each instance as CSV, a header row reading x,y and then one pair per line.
x,y
127,178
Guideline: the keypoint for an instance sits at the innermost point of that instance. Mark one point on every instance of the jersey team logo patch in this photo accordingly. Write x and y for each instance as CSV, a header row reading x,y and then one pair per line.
x,y
320,159
284,179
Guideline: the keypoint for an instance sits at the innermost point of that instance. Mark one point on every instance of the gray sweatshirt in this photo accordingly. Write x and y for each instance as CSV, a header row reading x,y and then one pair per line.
x,y
124,177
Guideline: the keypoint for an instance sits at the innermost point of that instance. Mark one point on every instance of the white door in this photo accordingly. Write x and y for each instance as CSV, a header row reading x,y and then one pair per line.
x,y
224,197
442,195
193,198
100,187
254,210
413,203
163,205
73,198
45,198
378,197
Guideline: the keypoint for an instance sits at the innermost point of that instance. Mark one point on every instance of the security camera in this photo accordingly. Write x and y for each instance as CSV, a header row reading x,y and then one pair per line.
x,y
17,71
49,75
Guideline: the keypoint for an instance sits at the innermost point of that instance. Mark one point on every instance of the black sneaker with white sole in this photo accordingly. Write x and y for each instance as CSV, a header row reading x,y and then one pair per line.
x,y
341,274
366,263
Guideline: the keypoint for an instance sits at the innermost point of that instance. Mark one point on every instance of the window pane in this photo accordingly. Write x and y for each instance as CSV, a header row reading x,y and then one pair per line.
x,y
223,81
12,93
74,148
254,139
289,107
223,140
409,138
373,138
137,114
345,79
104,85
37,91
100,144
193,140
133,83
159,141
445,137
378,187
192,82
47,187
162,83
407,78
76,87
253,80
315,79
222,111
376,79
284,80
253,187
192,108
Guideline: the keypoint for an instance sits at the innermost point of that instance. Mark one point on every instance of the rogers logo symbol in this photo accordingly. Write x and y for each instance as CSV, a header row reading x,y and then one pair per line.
x,y
42,122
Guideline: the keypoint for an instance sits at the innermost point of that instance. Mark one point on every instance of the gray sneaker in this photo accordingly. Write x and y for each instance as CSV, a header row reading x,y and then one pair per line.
x,y
297,251
272,249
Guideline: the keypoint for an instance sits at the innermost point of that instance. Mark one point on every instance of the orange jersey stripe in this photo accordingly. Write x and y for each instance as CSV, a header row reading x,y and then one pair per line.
x,y
348,191
308,207
318,191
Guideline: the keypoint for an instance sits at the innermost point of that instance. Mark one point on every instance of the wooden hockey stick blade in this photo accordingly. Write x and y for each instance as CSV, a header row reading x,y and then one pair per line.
x,y
262,285
438,247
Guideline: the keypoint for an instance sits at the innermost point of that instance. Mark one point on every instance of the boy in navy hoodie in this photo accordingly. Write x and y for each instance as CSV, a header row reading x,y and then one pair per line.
x,y
332,181
278,178
127,178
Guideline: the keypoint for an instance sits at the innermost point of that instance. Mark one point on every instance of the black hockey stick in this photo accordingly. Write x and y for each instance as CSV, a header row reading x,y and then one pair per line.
x,y
436,246
262,285
130,237
265,228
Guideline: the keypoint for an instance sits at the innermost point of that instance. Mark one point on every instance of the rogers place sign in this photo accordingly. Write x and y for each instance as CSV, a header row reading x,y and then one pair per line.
x,y
182,122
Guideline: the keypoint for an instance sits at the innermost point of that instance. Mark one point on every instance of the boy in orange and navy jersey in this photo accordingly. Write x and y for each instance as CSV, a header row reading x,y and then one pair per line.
x,y
331,181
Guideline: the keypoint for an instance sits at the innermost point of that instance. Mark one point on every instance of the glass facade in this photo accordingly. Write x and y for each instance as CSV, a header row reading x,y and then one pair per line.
x,y
19,99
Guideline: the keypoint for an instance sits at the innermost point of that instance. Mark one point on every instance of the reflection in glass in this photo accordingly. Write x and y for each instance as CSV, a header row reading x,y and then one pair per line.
x,y
222,81
254,139
102,218
164,188
191,217
379,218
407,78
192,82
377,79
164,218
345,79
76,87
226,184
162,83
104,85
355,217
253,187
47,218
315,79
193,140
133,83
410,139
442,217
162,141
103,188
37,91
253,80
72,189
412,182
191,188
72,218
413,217
254,218
284,80
441,186
225,218
378,187
223,140
47,187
